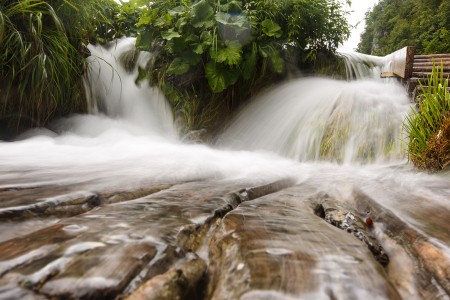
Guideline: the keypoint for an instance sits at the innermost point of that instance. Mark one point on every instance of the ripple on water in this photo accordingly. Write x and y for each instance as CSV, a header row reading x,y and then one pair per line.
x,y
83,247
119,225
278,251
74,228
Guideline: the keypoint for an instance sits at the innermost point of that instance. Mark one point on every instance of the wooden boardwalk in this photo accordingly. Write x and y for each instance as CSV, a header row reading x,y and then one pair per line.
x,y
414,70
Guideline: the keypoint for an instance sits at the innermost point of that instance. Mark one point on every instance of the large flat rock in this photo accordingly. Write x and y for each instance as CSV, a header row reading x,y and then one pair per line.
x,y
212,239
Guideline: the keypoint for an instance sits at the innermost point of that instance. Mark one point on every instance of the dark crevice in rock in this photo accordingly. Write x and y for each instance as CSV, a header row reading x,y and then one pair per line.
x,y
160,264
191,237
179,282
342,218
319,211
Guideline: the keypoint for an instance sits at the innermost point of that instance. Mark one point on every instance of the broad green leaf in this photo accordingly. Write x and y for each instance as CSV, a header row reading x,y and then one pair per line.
x,y
144,20
270,28
216,79
178,67
180,23
170,34
228,19
192,58
239,20
230,54
220,77
222,17
199,49
206,38
192,38
277,61
179,10
231,6
144,40
163,20
176,45
202,15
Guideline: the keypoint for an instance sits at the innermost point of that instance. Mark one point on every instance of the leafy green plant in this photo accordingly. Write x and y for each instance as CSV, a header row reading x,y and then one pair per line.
x,y
423,124
231,48
42,57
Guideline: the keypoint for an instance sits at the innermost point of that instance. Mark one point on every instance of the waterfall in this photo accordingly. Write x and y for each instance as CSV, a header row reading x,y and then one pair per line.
x,y
317,119
112,90
362,66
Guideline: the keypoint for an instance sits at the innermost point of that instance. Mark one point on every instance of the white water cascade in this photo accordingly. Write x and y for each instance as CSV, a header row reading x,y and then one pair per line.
x,y
363,66
339,138
112,90
320,119
130,133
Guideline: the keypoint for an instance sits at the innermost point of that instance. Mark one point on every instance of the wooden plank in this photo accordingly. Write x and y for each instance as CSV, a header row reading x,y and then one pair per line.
x,y
432,63
387,74
424,60
428,69
428,74
445,55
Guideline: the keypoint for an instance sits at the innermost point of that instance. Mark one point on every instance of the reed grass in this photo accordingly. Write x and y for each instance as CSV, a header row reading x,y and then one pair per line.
x,y
42,58
424,124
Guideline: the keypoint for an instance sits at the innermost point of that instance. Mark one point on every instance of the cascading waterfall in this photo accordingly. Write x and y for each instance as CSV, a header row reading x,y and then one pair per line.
x,y
113,92
363,66
319,119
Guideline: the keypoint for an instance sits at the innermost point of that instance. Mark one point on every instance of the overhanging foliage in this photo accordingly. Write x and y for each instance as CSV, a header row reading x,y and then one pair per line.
x,y
230,48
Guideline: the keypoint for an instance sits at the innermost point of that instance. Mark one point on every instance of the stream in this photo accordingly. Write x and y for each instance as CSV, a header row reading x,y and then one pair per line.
x,y
307,194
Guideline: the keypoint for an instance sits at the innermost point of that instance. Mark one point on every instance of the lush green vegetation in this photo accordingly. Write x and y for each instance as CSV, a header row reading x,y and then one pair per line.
x,y
428,127
42,57
394,24
212,55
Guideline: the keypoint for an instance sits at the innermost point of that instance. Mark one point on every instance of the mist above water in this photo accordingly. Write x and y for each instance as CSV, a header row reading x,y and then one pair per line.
x,y
130,137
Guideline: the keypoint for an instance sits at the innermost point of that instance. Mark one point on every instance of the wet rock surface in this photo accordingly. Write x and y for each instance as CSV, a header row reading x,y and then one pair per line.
x,y
342,217
207,240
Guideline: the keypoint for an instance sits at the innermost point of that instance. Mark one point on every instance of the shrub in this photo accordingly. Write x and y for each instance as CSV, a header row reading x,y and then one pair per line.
x,y
428,126
227,50
42,58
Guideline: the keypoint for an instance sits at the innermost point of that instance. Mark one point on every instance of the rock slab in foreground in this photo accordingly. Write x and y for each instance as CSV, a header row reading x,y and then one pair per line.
x,y
203,240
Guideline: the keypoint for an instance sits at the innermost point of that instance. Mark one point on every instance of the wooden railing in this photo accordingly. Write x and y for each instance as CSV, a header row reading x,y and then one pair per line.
x,y
414,70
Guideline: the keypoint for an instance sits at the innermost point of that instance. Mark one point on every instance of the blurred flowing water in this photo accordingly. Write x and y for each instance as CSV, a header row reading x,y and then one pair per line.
x,y
337,136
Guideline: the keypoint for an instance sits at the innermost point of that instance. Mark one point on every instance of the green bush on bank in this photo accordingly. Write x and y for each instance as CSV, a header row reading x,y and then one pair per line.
x,y
212,55
42,58
428,127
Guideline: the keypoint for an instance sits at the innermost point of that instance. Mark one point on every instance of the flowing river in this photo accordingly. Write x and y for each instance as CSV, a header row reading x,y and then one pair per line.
x,y
99,205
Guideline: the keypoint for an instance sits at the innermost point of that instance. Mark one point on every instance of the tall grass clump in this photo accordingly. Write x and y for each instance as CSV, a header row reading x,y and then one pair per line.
x,y
42,51
428,127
